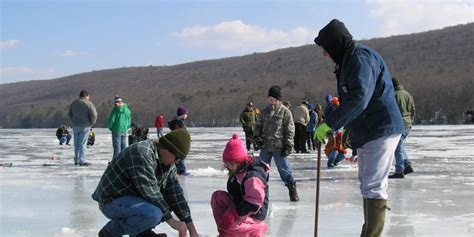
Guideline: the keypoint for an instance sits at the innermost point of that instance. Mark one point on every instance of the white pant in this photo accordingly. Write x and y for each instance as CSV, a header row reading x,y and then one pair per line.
x,y
375,159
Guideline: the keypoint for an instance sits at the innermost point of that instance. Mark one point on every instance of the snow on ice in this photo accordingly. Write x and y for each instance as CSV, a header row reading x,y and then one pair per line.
x,y
44,194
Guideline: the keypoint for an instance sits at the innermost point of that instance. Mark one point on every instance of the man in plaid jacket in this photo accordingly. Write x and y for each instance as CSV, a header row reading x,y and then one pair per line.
x,y
139,189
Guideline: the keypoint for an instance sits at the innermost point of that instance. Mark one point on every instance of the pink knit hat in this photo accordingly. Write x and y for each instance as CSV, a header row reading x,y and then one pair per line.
x,y
235,151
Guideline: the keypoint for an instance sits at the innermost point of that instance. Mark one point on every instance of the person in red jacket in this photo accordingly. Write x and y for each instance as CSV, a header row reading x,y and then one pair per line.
x,y
159,124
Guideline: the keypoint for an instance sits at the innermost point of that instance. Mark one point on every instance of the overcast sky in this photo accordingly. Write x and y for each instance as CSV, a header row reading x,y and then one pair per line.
x,y
43,39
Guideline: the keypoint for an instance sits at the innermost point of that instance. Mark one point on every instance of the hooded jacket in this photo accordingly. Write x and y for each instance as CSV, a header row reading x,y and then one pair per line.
x,y
120,119
368,108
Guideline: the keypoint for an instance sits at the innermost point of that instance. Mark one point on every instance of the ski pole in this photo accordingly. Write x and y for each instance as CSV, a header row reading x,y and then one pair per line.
x,y
316,214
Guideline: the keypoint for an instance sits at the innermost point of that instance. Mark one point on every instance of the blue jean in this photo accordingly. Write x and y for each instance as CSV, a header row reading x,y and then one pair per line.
x,y
401,157
119,142
282,164
159,132
335,157
130,215
181,167
64,139
81,134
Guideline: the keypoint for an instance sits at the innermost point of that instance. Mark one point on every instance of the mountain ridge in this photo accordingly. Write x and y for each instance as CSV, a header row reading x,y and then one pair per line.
x,y
436,62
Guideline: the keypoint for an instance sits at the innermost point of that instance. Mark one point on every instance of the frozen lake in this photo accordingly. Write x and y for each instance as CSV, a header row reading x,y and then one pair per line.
x,y
44,194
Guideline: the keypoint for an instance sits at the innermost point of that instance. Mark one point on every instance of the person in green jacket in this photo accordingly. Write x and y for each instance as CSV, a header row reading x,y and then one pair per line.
x,y
248,118
119,122
407,109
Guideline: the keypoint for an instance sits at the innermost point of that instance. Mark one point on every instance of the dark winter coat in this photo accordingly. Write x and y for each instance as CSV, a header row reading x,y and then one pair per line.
x,y
368,108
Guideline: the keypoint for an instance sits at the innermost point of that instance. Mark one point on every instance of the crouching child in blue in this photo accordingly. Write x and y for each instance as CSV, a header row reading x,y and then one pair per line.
x,y
241,210
139,188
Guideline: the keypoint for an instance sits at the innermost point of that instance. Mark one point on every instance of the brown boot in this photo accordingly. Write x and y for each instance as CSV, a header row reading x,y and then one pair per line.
x,y
375,217
293,193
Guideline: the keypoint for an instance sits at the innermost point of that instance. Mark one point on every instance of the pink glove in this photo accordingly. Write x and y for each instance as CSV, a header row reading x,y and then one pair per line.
x,y
229,217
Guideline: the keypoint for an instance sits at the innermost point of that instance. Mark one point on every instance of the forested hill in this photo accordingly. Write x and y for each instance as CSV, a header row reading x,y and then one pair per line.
x,y
437,67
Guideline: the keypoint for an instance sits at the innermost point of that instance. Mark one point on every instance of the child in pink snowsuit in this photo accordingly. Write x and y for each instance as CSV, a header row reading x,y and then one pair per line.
x,y
241,210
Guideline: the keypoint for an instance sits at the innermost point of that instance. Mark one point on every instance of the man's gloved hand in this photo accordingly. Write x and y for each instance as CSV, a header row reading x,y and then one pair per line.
x,y
257,143
321,132
286,150
228,218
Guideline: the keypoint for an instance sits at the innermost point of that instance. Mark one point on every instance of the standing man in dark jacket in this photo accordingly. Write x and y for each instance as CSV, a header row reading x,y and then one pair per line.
x,y
139,189
369,112
407,109
178,122
248,118
83,115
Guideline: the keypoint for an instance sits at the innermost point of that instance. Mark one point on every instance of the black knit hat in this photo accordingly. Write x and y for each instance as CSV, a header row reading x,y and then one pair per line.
x,y
275,92
177,142
334,38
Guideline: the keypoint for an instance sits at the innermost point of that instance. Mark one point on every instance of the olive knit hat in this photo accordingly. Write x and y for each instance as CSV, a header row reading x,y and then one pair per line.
x,y
177,142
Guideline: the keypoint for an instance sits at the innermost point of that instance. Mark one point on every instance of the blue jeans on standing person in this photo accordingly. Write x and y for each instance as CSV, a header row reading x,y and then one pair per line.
x,y
119,142
81,134
130,215
335,157
401,157
159,132
181,168
282,164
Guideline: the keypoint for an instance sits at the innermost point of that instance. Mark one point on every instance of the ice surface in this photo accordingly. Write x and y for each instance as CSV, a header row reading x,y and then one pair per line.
x,y
54,200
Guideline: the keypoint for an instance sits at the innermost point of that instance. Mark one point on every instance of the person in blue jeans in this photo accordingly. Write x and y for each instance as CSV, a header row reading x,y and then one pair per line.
x,y
63,135
406,105
402,163
119,121
83,114
139,189
178,122
335,150
274,133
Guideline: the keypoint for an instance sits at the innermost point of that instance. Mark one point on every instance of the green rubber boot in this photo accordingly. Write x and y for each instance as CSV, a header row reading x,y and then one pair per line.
x,y
362,233
374,213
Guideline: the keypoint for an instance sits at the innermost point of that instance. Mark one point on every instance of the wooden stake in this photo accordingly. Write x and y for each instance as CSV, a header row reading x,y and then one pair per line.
x,y
318,178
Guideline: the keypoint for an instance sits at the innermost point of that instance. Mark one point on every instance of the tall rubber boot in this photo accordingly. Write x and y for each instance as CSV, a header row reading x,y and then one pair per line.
x,y
362,233
293,193
375,217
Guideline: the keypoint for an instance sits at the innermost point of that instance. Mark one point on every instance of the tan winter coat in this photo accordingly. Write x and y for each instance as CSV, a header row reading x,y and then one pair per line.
x,y
301,115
